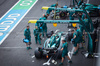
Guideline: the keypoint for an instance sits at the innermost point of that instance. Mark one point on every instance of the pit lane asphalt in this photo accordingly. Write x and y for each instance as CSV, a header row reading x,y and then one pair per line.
x,y
5,5
13,51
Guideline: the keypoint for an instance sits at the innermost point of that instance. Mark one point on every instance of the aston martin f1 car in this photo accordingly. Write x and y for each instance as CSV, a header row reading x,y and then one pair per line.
x,y
52,46
56,14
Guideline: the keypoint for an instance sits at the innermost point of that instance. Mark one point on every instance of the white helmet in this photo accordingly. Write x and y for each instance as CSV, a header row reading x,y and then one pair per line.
x,y
63,39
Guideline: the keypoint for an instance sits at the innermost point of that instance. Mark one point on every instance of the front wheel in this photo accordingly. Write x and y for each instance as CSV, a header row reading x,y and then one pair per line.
x,y
62,15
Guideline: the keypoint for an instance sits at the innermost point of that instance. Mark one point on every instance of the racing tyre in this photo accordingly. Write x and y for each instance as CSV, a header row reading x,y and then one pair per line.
x,y
62,15
38,54
59,54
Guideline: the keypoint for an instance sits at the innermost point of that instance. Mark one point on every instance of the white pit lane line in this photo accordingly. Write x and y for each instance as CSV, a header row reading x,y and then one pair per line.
x,y
70,53
18,21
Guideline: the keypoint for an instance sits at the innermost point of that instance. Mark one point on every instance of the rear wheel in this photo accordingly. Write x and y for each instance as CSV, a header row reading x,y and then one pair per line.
x,y
38,54
59,54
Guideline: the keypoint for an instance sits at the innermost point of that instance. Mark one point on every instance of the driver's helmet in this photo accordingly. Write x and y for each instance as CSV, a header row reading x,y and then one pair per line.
x,y
63,39
65,6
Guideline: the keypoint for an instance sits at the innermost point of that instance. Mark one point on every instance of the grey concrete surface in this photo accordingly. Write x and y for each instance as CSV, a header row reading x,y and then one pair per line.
x,y
13,51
